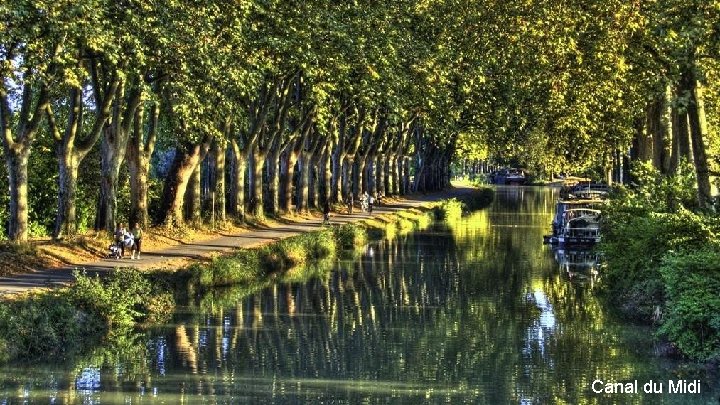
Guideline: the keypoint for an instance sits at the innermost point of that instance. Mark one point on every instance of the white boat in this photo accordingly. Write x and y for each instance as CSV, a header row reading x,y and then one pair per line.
x,y
580,226
576,222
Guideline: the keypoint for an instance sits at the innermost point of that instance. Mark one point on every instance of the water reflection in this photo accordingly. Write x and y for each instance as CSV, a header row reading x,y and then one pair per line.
x,y
578,264
474,311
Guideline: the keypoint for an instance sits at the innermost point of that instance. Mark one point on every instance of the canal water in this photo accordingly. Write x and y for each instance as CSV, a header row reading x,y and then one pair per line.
x,y
476,311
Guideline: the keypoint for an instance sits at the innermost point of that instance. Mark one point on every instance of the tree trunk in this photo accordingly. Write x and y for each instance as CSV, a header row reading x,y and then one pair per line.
x,y
256,201
66,219
140,150
360,176
394,178
303,191
327,178
175,187
193,195
675,145
681,130
659,129
698,131
644,139
176,183
113,147
380,165
17,166
273,161
346,180
238,188
405,179
219,180
17,150
290,162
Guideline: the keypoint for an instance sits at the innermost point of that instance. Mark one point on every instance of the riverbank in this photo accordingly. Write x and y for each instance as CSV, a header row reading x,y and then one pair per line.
x,y
62,320
52,265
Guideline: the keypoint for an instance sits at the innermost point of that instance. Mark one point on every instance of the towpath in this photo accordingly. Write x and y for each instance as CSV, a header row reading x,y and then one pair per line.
x,y
181,253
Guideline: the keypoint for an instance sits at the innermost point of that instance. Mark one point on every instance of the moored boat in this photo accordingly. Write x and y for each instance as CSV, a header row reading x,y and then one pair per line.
x,y
576,222
510,177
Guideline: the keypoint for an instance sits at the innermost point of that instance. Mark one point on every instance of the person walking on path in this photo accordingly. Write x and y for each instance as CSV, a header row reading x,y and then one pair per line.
x,y
350,203
326,213
137,233
120,232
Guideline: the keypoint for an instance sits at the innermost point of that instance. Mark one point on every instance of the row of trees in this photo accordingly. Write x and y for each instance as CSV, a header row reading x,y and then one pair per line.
x,y
593,87
260,106
307,101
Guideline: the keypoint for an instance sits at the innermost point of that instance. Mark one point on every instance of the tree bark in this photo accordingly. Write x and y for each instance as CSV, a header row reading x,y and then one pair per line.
x,y
273,162
113,148
17,164
219,180
140,150
658,129
256,181
303,191
698,131
238,185
193,195
290,160
71,149
17,150
176,183
327,176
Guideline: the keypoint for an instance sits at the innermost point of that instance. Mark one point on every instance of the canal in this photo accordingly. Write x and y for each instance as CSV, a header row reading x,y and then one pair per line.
x,y
473,311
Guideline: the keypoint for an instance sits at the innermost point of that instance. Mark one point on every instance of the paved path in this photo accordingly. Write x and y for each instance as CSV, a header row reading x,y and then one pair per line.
x,y
194,250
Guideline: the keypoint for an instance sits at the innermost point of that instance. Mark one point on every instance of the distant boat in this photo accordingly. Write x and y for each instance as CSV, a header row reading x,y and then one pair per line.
x,y
510,177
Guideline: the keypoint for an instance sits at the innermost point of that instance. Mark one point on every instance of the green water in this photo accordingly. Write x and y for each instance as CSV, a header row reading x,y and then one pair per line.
x,y
475,311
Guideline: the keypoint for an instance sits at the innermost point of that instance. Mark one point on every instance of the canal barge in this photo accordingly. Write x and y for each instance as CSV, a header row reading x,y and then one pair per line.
x,y
576,222
510,177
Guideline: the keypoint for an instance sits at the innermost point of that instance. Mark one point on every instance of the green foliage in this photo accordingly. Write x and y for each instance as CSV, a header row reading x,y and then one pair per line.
x,y
40,324
662,258
63,321
349,235
449,210
116,302
692,316
247,266
453,209
241,267
297,250
654,192
634,246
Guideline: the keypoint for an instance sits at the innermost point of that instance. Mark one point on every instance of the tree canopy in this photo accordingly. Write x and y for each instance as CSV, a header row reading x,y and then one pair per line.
x,y
314,101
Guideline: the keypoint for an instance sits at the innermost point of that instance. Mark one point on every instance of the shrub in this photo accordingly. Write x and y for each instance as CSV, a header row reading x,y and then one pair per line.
x,y
692,316
633,247
349,236
449,210
320,245
39,324
241,267
117,302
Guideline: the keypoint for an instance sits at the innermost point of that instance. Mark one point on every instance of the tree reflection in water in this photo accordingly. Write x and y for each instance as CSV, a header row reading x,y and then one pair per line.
x,y
474,311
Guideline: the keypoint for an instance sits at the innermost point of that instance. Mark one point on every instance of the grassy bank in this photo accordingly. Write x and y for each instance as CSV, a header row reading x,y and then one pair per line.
x,y
65,321
663,262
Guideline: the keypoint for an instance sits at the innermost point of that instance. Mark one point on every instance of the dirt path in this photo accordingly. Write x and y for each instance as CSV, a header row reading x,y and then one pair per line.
x,y
179,254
